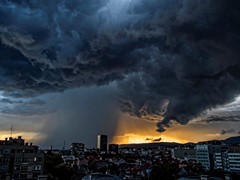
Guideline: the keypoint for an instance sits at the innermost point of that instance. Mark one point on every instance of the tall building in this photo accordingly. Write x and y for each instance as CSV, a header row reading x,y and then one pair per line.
x,y
202,155
216,148
205,153
19,160
102,142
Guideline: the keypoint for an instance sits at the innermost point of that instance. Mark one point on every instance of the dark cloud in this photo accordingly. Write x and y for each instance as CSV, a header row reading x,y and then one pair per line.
x,y
171,58
10,101
221,119
25,107
228,131
157,140
38,102
6,100
26,111
153,140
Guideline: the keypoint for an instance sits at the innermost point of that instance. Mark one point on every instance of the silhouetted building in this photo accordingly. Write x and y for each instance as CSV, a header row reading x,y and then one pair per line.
x,y
77,149
102,142
19,160
113,148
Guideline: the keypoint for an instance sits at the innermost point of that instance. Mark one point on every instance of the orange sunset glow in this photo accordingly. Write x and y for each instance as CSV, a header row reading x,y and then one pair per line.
x,y
136,130
34,137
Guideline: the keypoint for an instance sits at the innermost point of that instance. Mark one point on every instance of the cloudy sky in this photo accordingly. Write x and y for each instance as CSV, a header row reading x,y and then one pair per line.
x,y
136,70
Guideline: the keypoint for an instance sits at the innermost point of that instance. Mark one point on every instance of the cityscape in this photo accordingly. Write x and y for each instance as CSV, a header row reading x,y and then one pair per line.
x,y
216,159
120,89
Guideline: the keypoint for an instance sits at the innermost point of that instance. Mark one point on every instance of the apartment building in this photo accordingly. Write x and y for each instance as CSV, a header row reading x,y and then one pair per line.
x,y
20,160
227,161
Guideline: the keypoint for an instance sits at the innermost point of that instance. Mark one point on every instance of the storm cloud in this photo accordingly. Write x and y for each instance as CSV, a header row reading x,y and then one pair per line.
x,y
228,131
171,59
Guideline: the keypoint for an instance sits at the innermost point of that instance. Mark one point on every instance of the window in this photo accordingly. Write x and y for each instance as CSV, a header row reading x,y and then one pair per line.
x,y
16,175
6,151
6,159
37,167
13,151
17,167
23,175
24,168
18,159
37,159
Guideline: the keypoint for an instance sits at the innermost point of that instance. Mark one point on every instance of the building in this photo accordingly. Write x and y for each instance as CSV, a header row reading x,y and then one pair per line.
x,y
234,148
227,161
102,142
183,153
206,151
233,162
202,155
77,149
218,148
215,148
68,159
218,161
19,160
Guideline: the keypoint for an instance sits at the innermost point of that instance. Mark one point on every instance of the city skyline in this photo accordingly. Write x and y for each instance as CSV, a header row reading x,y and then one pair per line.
x,y
209,159
135,70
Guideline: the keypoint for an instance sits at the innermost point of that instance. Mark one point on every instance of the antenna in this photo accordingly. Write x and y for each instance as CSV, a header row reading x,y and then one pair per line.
x,y
11,130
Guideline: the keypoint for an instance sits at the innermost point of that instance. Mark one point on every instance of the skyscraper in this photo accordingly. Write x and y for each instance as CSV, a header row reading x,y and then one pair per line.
x,y
102,142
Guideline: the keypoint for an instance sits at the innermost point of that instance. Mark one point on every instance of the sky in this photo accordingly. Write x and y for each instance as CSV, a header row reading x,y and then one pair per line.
x,y
136,70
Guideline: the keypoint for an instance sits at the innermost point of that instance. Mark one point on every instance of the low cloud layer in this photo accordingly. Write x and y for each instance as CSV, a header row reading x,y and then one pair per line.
x,y
171,59
153,140
228,131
